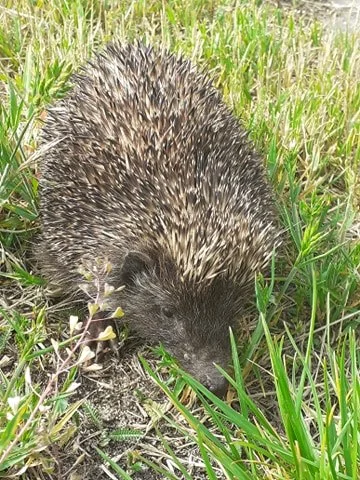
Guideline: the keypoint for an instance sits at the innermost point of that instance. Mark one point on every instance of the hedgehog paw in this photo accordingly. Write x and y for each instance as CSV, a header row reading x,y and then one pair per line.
x,y
100,336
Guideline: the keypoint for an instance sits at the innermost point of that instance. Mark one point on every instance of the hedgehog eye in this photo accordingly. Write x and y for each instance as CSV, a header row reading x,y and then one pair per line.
x,y
168,312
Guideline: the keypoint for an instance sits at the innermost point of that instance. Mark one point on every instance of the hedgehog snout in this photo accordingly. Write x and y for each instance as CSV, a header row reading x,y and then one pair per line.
x,y
207,374
218,385
212,379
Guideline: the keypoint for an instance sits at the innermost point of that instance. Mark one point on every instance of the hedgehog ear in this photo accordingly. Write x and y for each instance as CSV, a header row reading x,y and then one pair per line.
x,y
134,264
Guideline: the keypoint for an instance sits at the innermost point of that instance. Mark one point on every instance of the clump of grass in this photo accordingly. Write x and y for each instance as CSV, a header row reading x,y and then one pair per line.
x,y
317,438
25,408
296,89
32,419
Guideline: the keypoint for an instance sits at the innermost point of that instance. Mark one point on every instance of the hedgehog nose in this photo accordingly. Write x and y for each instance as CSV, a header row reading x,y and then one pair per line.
x,y
218,387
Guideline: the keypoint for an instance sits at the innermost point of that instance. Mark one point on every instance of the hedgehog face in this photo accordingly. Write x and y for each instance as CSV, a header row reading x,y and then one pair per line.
x,y
191,321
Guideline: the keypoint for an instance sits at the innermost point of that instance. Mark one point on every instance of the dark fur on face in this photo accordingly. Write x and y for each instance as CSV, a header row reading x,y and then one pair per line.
x,y
193,326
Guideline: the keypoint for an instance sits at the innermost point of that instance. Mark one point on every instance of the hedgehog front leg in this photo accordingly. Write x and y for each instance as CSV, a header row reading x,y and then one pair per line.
x,y
98,338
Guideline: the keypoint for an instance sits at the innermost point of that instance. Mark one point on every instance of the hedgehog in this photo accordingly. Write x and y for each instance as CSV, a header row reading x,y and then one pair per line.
x,y
144,165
